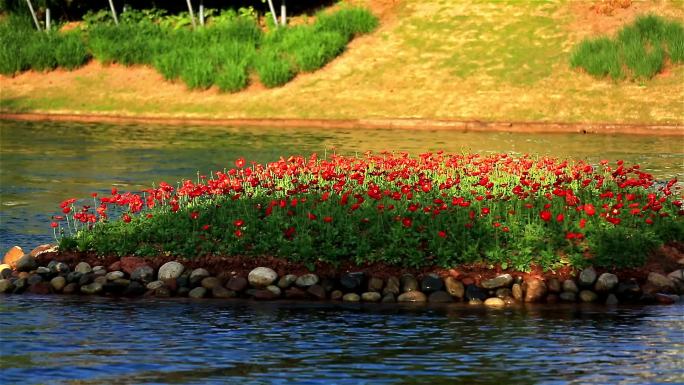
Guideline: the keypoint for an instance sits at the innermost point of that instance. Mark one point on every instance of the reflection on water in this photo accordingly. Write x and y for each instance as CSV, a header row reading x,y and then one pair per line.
x,y
58,339
45,163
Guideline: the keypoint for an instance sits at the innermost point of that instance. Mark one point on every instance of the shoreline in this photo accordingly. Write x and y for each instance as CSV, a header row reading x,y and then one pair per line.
x,y
465,126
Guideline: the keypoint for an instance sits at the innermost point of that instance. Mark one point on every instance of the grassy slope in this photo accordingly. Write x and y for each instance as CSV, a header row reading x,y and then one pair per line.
x,y
487,60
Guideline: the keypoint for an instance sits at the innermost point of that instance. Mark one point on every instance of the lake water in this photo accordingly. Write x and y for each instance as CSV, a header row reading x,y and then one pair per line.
x,y
98,340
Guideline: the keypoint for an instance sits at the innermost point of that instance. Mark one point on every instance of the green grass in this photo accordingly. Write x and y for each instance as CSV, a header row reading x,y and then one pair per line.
x,y
639,51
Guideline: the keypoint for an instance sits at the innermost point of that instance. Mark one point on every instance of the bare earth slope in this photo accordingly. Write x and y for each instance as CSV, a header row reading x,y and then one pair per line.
x,y
430,59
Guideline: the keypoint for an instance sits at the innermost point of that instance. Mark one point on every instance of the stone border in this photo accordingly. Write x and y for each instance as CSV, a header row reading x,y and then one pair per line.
x,y
133,276
369,123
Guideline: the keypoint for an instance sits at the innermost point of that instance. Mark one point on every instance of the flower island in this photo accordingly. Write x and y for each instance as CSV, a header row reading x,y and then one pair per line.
x,y
383,227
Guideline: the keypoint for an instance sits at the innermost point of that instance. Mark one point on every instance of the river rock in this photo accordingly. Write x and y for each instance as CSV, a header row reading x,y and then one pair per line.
x,y
568,296
58,283
409,283
275,290
375,284
351,297
306,280
352,281
677,275
587,277
83,268
454,287
86,279
58,267
503,293
535,290
134,289
101,280
661,282
131,264
316,291
143,274
262,277
222,292
587,296
198,292
611,300
114,275
6,286
41,288
210,283
93,288
12,256
20,285
554,285
494,302
412,296
336,295
295,293
440,296
117,286
287,281
172,284
237,284
42,249
431,283
261,294
197,275
666,299
472,291
371,296
629,290
475,301
503,280
170,270
389,298
606,282
99,270
26,263
154,285
517,291
392,286
42,270
570,285
70,288
162,292
5,271
33,279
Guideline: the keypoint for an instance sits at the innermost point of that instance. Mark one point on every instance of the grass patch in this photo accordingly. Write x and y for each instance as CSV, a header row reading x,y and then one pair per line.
x,y
639,51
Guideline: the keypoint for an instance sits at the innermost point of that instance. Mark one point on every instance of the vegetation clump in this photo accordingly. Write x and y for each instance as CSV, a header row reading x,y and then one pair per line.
x,y
639,51
434,209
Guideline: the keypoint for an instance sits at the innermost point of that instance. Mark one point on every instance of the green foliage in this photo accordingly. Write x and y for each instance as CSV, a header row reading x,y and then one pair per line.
x,y
348,22
617,246
232,77
639,50
273,68
126,44
70,51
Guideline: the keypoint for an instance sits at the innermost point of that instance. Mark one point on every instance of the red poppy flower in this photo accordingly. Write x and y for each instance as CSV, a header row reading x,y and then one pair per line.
x,y
194,215
545,215
54,224
406,222
206,227
240,162
327,219
238,233
442,234
560,218
126,218
238,222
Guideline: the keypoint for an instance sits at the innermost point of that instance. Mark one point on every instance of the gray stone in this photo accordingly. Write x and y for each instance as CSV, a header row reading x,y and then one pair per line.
x,y
83,268
352,281
568,296
474,301
210,283
101,280
162,292
261,294
351,297
275,290
74,276
677,275
86,279
99,270
237,284
472,291
409,283
295,293
454,287
661,282
328,284
316,291
222,292
197,275
20,285
517,291
494,302
26,263
431,283
70,288
262,277
144,274
198,292
629,290
535,290
114,275
570,285
504,293
440,296
412,296
58,267
336,295
503,280
606,282
371,296
33,279
58,283
587,296
6,286
554,285
587,277
375,284
154,285
286,281
389,298
42,270
392,286
611,300
306,280
170,270
93,288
